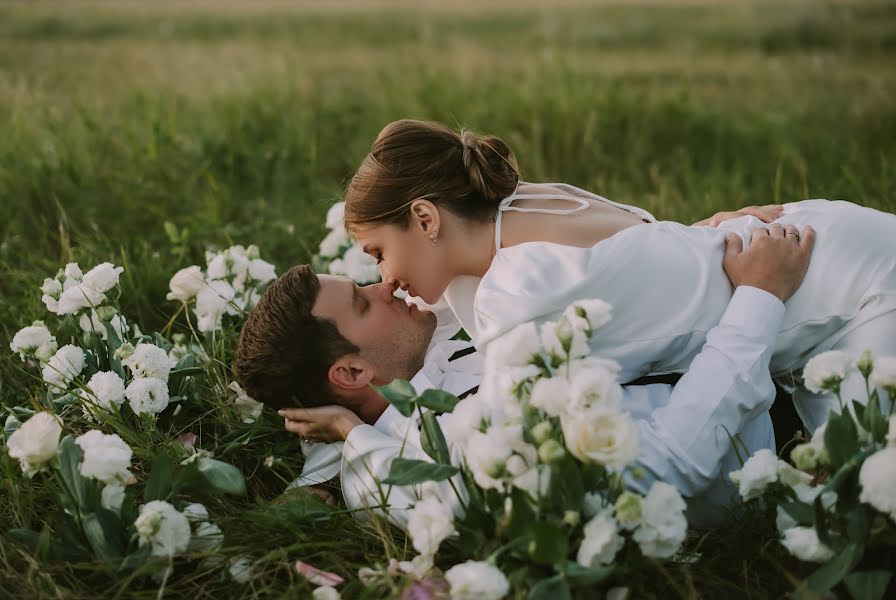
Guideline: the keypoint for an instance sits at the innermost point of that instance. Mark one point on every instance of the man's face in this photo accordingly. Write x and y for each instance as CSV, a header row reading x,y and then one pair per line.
x,y
390,333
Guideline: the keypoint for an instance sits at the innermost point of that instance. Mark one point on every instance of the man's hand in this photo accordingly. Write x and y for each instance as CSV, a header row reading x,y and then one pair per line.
x,y
323,424
766,214
776,261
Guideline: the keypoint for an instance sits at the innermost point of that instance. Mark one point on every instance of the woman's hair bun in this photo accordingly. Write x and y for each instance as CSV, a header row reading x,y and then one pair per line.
x,y
490,164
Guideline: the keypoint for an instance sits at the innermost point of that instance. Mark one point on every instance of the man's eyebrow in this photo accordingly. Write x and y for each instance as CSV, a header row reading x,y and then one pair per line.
x,y
355,298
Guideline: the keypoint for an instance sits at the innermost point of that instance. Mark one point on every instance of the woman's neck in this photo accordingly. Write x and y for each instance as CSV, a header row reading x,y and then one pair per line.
x,y
473,247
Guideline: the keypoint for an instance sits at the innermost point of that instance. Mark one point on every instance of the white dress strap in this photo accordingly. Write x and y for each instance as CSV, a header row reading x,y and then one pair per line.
x,y
505,205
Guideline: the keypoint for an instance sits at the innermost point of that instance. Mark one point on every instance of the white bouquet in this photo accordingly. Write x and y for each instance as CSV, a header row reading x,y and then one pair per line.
x,y
836,502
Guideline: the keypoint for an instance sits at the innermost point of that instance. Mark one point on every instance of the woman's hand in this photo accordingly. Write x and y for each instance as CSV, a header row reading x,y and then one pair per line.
x,y
322,424
766,214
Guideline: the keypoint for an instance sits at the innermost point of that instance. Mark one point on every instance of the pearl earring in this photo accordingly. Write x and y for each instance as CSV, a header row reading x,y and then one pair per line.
x,y
434,239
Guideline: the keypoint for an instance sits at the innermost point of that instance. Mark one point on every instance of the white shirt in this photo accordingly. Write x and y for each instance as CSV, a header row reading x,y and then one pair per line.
x,y
728,388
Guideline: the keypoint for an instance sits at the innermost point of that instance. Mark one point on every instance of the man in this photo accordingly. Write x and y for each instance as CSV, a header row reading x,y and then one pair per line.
x,y
323,340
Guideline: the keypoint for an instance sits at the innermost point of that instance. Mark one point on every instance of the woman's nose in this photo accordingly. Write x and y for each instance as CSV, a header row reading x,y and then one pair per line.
x,y
386,289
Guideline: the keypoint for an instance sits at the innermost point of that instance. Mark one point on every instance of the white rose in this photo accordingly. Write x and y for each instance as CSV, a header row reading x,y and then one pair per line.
x,y
185,284
162,526
36,340
878,480
803,543
206,537
516,348
147,395
148,360
73,272
52,290
212,302
102,277
333,243
107,458
595,313
248,408
336,267
561,339
64,366
261,271
551,395
474,580
92,324
336,216
601,437
826,370
240,569
430,522
77,298
112,497
792,477
535,479
510,378
663,525
594,385
326,592
360,266
106,388
884,374
35,442
488,455
602,541
469,415
760,471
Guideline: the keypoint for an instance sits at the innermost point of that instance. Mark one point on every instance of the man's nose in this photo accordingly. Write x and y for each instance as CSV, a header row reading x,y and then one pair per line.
x,y
386,289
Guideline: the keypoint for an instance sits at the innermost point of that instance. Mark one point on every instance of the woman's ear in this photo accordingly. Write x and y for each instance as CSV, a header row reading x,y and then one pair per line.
x,y
425,216
351,372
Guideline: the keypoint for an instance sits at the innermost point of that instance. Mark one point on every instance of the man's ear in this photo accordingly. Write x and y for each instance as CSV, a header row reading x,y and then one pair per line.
x,y
425,216
351,372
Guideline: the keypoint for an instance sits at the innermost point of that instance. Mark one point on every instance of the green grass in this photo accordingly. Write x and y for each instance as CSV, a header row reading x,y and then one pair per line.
x,y
242,124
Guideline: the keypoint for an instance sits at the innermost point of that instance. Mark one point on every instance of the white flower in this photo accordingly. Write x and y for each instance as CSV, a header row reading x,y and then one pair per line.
x,y
147,395
510,378
430,522
595,313
73,272
593,503
333,243
803,543
248,408
360,266
64,366
601,437
326,592
52,290
92,324
760,471
474,580
628,509
79,297
102,277
488,455
112,497
35,340
561,339
106,457
594,384
240,569
148,360
602,542
878,480
469,415
162,526
663,525
516,348
535,480
261,272
336,216
35,441
212,302
884,374
826,370
891,433
206,537
185,284
551,395
106,388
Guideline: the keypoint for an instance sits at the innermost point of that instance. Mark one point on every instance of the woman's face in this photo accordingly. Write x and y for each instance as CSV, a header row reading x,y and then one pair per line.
x,y
407,257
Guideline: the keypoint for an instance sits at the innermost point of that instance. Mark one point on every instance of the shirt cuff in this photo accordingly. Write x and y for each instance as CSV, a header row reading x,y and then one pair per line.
x,y
756,311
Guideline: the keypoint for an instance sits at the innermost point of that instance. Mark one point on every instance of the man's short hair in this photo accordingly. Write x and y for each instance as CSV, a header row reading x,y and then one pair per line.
x,y
284,353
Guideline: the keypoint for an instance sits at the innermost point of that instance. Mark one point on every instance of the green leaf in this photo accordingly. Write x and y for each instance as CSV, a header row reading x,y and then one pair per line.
x,y
859,409
874,420
821,522
407,471
522,516
433,441
158,487
802,513
858,524
553,588
103,531
551,544
221,476
833,572
577,575
69,455
399,394
868,585
841,438
438,400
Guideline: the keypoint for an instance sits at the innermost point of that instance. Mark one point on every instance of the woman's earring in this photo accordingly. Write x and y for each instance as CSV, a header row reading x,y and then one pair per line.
x,y
435,239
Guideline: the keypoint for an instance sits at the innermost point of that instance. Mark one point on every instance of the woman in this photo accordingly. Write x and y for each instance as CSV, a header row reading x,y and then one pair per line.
x,y
447,214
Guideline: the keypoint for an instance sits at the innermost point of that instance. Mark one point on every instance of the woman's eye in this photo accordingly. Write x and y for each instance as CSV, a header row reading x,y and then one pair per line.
x,y
379,258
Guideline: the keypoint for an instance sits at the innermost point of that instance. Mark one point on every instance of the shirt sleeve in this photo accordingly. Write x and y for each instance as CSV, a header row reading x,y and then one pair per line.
x,y
727,384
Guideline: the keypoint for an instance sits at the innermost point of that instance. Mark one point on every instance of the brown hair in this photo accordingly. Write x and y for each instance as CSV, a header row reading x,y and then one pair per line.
x,y
284,352
462,172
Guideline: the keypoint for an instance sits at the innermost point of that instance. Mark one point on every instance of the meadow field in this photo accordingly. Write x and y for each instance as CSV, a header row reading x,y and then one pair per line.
x,y
240,123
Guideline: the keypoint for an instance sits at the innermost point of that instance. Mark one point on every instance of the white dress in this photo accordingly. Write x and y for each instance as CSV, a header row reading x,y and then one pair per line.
x,y
667,287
